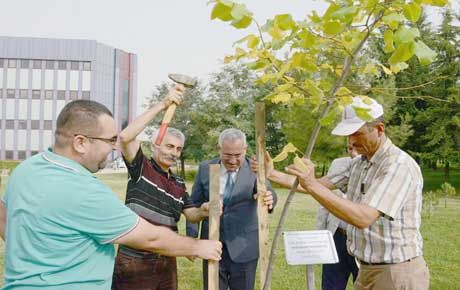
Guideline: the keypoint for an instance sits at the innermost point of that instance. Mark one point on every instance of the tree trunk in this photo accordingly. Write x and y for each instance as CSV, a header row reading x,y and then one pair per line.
x,y
446,171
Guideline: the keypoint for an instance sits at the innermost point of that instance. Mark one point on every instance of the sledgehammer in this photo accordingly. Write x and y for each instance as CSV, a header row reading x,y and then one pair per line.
x,y
188,82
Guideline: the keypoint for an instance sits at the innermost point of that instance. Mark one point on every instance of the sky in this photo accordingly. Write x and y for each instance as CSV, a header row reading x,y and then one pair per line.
x,y
167,35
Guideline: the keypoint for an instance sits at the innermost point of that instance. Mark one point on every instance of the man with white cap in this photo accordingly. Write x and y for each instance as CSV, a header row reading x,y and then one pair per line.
x,y
383,205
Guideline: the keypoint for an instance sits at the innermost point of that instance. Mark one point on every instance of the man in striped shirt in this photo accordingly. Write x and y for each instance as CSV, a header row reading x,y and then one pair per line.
x,y
383,205
158,196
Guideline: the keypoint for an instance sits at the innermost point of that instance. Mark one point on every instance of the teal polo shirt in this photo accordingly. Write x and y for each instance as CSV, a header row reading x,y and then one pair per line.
x,y
61,222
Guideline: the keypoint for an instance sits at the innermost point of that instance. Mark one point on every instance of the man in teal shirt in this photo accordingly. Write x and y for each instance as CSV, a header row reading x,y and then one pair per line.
x,y
59,222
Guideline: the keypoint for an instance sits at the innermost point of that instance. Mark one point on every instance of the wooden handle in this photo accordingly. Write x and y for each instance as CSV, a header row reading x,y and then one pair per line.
x,y
169,114
214,222
262,210
165,123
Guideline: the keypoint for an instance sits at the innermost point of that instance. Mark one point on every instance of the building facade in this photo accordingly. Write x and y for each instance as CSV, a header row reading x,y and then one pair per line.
x,y
39,76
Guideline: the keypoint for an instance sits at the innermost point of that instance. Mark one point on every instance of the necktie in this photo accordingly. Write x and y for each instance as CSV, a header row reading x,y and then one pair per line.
x,y
228,187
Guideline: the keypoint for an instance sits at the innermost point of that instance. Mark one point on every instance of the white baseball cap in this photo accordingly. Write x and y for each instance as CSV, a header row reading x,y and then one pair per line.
x,y
351,122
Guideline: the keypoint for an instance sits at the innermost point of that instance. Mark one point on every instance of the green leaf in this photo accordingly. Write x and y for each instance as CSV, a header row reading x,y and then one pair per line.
x,y
275,32
332,27
343,91
300,60
222,10
285,22
251,39
347,13
439,3
242,23
239,11
425,54
283,87
316,93
402,53
307,39
363,114
385,69
282,97
315,17
396,68
330,10
370,68
412,12
388,39
405,35
393,20
328,119
259,64
289,148
345,101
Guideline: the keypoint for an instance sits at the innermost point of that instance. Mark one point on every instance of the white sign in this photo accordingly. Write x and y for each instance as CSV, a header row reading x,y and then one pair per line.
x,y
310,248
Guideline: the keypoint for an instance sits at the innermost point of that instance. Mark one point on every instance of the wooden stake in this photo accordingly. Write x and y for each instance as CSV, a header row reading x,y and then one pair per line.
x,y
214,222
262,210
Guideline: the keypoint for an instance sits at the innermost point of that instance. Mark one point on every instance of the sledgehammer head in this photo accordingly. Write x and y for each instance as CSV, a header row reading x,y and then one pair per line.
x,y
187,81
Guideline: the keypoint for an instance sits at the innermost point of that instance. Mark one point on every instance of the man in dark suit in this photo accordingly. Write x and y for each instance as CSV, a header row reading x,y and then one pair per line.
x,y
238,223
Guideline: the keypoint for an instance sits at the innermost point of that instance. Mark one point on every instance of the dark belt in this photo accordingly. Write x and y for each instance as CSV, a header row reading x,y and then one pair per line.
x,y
383,263
341,231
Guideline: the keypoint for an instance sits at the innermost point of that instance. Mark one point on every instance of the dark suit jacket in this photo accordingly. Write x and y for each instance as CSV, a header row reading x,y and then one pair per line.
x,y
238,223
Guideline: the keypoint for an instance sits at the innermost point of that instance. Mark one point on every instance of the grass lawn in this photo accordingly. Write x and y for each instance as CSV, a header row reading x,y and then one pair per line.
x,y
440,233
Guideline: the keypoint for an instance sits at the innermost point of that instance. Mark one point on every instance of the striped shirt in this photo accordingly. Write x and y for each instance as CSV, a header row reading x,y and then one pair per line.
x,y
391,182
157,196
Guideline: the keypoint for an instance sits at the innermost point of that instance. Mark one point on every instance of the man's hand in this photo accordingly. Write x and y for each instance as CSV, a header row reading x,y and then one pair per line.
x,y
209,250
204,209
174,96
267,197
268,164
305,173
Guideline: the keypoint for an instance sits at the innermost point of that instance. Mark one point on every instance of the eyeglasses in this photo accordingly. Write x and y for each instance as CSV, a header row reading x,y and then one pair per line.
x,y
111,141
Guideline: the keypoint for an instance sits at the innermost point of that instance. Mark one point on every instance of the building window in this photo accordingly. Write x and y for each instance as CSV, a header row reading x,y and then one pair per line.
x,y
11,63
32,153
1,62
74,65
49,94
35,124
62,65
37,64
125,110
48,124
21,155
9,124
22,124
9,155
85,95
61,95
10,94
24,63
36,94
87,65
23,94
73,95
50,64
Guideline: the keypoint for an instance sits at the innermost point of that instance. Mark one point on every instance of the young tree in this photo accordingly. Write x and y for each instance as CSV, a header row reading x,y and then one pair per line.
x,y
312,59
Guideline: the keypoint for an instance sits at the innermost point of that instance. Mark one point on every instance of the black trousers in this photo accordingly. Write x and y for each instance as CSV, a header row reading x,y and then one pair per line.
x,y
233,276
335,276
